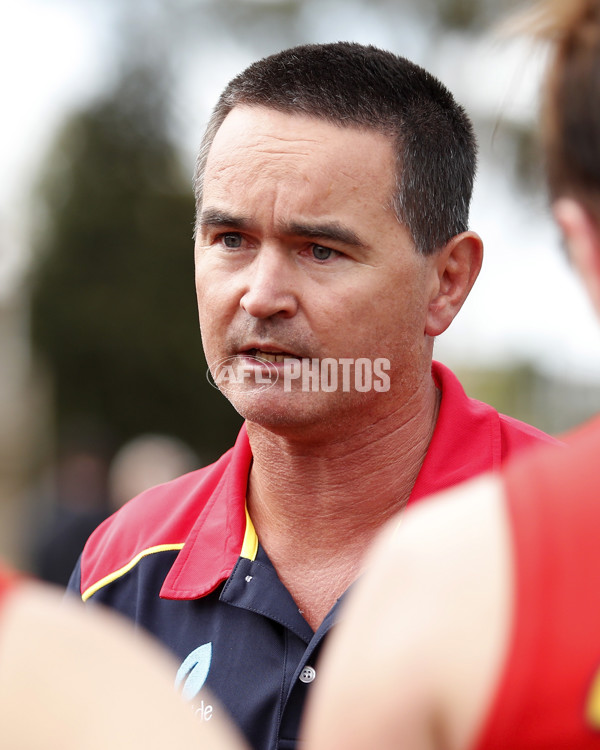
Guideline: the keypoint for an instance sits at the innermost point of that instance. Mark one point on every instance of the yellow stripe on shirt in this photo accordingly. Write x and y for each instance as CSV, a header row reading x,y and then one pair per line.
x,y
126,568
250,543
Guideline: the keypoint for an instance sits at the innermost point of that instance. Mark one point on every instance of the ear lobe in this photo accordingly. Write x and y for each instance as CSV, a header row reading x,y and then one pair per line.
x,y
583,242
454,272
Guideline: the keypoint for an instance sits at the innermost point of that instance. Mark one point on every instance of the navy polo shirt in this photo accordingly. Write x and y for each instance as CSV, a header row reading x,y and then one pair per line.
x,y
183,561
246,641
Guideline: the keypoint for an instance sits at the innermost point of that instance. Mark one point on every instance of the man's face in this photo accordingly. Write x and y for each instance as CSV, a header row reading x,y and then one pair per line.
x,y
300,255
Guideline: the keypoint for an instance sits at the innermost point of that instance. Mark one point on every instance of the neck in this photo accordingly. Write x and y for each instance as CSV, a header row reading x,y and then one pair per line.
x,y
335,493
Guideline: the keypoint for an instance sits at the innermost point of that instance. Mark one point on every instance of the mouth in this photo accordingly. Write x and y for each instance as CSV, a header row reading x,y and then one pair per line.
x,y
269,356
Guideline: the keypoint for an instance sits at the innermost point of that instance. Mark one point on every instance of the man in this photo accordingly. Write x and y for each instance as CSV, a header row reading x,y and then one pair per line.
x,y
333,187
477,625
77,680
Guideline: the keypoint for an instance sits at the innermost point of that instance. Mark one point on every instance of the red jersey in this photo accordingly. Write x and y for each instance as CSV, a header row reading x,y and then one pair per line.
x,y
549,692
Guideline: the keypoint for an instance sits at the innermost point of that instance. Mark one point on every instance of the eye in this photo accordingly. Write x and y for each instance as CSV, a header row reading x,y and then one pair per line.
x,y
232,240
322,253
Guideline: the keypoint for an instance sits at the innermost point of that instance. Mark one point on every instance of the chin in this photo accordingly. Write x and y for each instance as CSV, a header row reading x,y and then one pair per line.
x,y
302,414
275,412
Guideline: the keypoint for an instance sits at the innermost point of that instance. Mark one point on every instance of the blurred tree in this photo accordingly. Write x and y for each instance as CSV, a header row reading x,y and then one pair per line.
x,y
112,291
467,15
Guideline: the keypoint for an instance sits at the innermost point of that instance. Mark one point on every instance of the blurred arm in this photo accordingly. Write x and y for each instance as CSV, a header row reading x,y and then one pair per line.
x,y
80,679
416,657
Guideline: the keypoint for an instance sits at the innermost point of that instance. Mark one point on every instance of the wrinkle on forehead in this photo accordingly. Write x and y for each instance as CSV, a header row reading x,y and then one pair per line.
x,y
263,128
266,155
295,139
276,148
275,145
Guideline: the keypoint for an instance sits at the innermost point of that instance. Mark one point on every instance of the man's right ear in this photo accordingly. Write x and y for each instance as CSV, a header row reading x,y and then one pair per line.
x,y
582,237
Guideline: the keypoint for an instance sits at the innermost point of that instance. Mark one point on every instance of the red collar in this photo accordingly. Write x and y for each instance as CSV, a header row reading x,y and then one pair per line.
x,y
467,440
213,546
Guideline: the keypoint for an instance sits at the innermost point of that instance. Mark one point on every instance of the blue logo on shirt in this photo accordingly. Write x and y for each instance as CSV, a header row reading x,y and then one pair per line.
x,y
194,671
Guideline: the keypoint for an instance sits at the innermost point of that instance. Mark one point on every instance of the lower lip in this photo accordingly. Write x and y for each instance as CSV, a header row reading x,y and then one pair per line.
x,y
249,360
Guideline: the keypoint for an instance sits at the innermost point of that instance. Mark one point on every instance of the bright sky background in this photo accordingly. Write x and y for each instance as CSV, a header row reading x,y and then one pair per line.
x,y
50,57
526,304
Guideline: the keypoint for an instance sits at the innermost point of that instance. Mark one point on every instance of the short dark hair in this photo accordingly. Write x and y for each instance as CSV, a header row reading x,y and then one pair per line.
x,y
352,85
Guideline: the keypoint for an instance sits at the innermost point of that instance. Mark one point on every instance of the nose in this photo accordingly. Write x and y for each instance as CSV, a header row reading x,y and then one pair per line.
x,y
271,288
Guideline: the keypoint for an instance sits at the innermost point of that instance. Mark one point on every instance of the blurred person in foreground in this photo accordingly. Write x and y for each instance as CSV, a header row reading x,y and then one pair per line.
x,y
477,625
80,680
333,190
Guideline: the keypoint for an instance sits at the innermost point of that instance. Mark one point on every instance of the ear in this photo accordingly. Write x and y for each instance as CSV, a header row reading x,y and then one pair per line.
x,y
583,242
453,273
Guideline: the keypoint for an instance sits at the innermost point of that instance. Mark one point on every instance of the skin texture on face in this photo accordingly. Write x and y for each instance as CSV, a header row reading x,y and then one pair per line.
x,y
299,253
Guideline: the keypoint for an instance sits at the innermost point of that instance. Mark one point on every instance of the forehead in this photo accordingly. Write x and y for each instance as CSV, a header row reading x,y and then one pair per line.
x,y
257,146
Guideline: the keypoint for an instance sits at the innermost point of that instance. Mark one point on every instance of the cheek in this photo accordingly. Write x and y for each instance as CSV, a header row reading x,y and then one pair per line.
x,y
209,306
218,305
214,289
399,313
201,297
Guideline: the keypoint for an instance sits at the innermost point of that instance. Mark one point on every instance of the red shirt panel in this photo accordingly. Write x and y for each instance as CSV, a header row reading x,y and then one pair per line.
x,y
546,691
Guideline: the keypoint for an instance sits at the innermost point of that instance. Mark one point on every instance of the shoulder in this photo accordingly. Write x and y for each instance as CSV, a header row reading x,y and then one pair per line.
x,y
158,520
460,549
433,576
467,415
517,435
442,540
97,666
538,482
553,473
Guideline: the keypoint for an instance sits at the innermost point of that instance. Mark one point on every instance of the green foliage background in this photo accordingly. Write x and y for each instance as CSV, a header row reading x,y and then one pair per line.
x,y
113,311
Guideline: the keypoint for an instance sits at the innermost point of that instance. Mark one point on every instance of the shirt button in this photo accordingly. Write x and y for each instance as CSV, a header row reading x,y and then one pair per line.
x,y
308,674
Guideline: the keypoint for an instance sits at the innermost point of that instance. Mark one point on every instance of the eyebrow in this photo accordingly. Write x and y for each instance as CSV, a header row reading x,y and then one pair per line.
x,y
213,217
327,231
